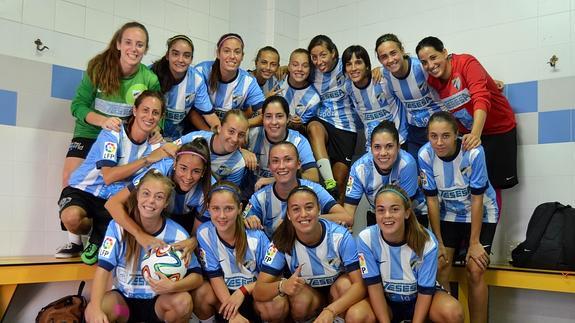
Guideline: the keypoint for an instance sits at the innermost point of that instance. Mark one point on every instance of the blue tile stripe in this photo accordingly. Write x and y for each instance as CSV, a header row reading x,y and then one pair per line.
x,y
556,126
522,96
65,80
8,107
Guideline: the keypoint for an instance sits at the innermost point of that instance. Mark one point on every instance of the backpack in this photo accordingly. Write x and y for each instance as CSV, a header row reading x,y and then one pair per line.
x,y
550,239
69,309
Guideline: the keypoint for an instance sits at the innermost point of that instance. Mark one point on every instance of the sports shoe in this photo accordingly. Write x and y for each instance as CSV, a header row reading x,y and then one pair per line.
x,y
69,250
331,188
90,254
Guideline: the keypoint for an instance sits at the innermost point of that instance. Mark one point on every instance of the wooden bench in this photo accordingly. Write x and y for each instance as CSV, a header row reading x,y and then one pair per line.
x,y
37,269
505,275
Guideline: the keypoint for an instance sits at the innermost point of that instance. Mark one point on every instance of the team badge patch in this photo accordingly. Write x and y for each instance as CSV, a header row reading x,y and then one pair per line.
x,y
110,149
107,247
456,82
423,178
362,263
247,210
270,254
202,257
349,185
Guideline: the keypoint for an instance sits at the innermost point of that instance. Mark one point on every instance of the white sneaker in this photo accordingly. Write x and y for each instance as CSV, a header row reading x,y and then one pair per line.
x,y
69,250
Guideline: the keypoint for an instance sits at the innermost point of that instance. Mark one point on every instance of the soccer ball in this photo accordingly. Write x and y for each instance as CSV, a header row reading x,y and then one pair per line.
x,y
165,260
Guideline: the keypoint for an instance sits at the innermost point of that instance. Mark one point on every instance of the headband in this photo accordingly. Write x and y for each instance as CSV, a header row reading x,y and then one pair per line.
x,y
393,190
224,188
189,152
230,36
174,38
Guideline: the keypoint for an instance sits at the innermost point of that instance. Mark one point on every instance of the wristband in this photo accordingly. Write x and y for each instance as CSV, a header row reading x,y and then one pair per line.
x,y
280,291
244,290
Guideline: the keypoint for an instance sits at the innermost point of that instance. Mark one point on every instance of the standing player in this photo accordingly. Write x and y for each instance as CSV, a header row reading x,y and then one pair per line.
x,y
483,114
232,259
183,86
104,99
372,100
461,205
114,159
191,174
384,164
137,298
229,86
267,207
322,259
302,97
333,132
407,80
226,158
267,63
275,111
398,259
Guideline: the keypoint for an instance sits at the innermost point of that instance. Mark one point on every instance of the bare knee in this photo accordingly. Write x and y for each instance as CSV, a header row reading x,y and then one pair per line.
x,y
451,312
274,311
300,308
360,315
474,273
73,219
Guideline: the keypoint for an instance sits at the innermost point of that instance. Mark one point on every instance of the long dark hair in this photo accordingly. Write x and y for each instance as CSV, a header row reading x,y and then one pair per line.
x,y
240,236
162,67
323,40
140,98
104,69
216,74
285,235
199,146
132,246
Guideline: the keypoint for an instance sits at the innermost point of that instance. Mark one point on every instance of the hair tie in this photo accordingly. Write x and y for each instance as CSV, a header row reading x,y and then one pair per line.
x,y
230,37
189,152
225,188
393,190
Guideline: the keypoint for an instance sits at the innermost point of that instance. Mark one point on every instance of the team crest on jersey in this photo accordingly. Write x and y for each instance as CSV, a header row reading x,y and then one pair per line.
x,y
299,109
349,185
466,171
224,170
190,97
381,98
340,79
133,92
178,142
202,257
415,263
270,254
107,247
423,178
250,265
335,263
456,82
110,149
237,99
362,263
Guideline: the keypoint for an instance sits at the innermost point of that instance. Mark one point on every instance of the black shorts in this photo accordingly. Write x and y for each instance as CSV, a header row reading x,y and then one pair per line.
x,y
80,147
94,207
501,158
141,310
340,143
456,235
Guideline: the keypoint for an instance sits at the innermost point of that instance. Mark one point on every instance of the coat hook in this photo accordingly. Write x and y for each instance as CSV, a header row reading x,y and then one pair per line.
x,y
39,46
553,60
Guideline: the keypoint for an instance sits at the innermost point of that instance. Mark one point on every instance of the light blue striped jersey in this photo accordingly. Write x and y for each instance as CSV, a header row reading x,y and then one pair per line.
x,y
375,103
240,93
218,258
128,279
335,107
366,178
453,180
269,85
110,149
259,144
418,98
191,92
303,102
230,167
271,210
335,254
180,202
396,266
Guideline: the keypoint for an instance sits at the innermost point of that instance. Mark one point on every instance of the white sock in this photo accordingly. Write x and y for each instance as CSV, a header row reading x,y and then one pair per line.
x,y
324,167
74,238
211,319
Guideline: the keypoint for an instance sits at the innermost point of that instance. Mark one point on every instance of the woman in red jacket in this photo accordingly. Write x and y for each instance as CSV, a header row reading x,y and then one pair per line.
x,y
483,113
